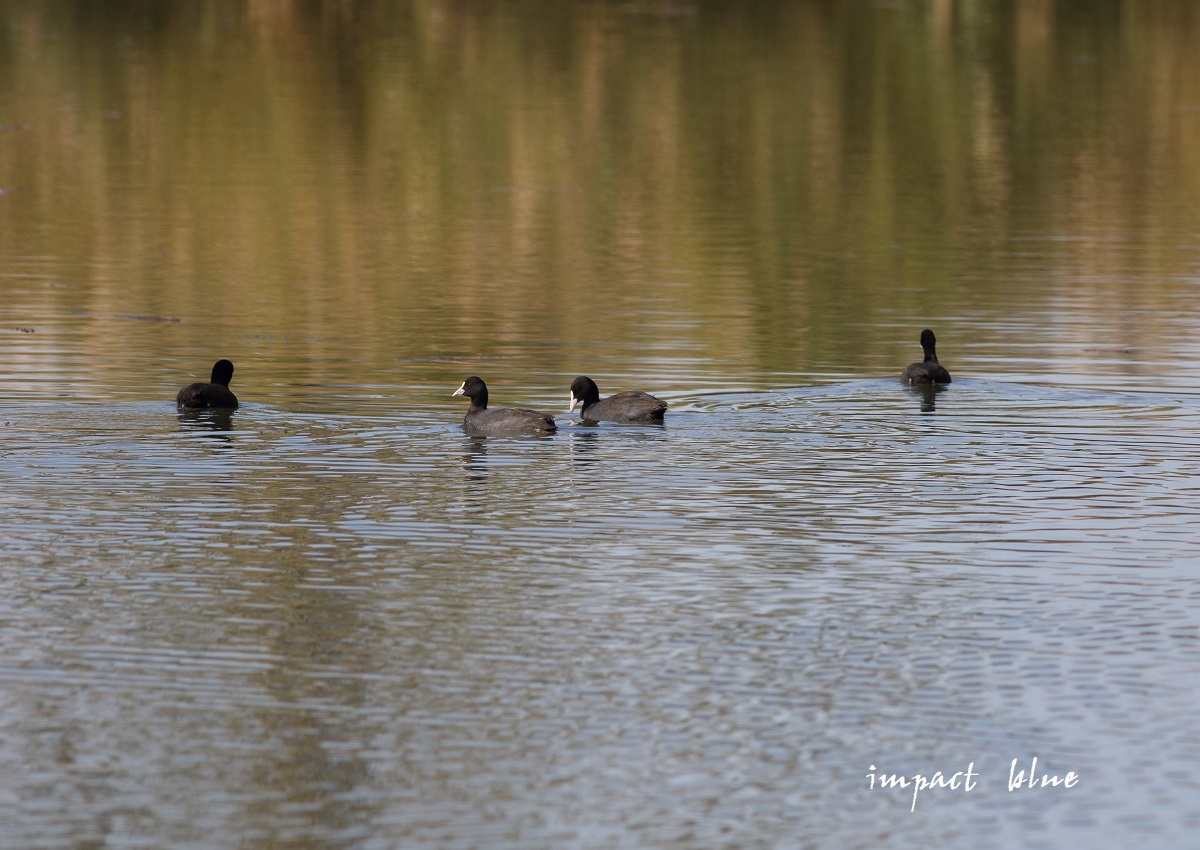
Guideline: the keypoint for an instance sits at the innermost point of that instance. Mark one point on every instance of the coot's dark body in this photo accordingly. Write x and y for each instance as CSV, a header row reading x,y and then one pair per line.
x,y
929,371
499,421
628,406
213,394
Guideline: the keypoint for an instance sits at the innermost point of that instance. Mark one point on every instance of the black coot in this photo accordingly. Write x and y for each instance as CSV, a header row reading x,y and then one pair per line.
x,y
628,406
213,394
930,371
481,419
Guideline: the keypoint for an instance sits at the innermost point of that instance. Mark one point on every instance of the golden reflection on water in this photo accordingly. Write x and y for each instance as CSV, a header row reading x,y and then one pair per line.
x,y
789,187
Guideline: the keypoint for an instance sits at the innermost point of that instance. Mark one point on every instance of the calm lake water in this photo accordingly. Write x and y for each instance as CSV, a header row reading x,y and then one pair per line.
x,y
331,619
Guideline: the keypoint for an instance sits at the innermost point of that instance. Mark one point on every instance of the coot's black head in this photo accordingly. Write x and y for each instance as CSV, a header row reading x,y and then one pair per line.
x,y
222,373
475,389
928,340
584,392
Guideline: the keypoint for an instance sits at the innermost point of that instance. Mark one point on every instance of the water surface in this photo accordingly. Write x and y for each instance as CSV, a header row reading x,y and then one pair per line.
x,y
332,619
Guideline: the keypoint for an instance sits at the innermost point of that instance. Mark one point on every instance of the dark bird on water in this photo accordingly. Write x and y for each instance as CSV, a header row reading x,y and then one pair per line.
x,y
929,371
628,406
504,421
213,394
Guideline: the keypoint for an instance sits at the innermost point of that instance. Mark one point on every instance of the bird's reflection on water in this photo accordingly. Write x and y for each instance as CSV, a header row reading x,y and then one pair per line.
x,y
212,422
475,459
926,395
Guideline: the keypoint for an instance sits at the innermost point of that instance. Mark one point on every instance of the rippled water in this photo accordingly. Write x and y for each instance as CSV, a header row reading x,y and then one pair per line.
x,y
331,619
371,630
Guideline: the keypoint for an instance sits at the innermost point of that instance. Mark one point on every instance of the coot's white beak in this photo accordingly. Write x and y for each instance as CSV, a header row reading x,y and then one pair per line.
x,y
460,389
574,401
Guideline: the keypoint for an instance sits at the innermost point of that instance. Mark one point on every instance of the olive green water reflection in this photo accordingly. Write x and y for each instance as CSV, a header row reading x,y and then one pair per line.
x,y
330,620
793,186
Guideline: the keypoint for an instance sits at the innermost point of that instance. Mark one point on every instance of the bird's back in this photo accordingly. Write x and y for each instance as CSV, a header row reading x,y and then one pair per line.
x,y
627,406
509,420
206,395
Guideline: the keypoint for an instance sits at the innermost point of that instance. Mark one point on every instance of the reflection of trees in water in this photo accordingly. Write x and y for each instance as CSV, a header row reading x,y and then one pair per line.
x,y
752,173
